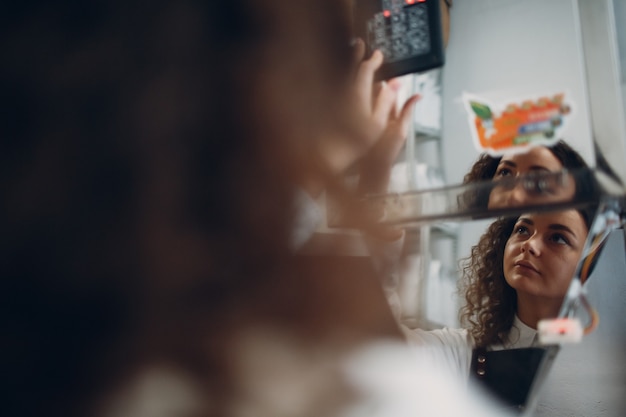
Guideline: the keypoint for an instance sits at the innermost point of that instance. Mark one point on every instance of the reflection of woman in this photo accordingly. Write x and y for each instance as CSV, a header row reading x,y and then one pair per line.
x,y
538,160
518,274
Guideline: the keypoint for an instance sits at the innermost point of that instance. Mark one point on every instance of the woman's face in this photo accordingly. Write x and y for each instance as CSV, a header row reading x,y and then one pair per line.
x,y
542,252
548,189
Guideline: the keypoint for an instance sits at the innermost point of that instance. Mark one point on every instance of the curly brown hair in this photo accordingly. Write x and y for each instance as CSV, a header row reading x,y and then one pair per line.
x,y
490,302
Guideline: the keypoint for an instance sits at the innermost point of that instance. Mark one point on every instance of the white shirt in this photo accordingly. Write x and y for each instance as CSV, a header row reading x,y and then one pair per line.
x,y
450,348
520,336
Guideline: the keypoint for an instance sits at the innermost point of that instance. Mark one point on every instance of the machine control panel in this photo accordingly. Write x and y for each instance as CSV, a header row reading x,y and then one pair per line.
x,y
407,32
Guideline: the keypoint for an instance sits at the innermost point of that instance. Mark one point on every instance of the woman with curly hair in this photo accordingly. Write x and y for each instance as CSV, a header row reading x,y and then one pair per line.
x,y
518,274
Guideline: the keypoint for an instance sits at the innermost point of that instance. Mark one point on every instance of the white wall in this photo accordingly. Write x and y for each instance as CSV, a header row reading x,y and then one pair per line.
x,y
508,49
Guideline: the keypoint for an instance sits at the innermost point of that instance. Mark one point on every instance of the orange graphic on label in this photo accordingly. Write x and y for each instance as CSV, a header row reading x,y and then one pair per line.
x,y
518,124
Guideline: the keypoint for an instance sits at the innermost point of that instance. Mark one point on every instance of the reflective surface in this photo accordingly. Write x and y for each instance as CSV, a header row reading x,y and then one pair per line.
x,y
545,191
571,46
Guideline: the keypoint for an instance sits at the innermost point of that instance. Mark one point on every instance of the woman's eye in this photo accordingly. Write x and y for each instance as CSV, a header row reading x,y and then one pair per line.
x,y
521,230
503,172
559,239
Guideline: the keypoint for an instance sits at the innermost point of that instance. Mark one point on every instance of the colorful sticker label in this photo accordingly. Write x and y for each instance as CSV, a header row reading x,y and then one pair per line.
x,y
514,125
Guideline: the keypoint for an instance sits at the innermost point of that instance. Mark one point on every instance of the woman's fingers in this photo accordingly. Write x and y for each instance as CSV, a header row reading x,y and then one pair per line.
x,y
381,108
395,135
359,50
407,111
384,104
395,85
365,78
398,129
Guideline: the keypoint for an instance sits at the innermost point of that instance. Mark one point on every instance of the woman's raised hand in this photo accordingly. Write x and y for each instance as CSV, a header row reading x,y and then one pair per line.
x,y
385,127
378,128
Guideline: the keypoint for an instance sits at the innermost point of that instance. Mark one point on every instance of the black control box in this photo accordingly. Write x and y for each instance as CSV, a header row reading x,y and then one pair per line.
x,y
408,33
